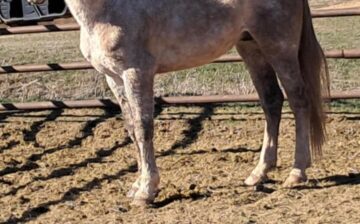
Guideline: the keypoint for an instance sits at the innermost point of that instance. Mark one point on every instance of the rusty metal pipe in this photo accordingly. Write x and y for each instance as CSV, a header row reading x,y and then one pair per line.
x,y
45,67
106,103
344,54
337,54
74,26
39,29
242,98
325,13
51,105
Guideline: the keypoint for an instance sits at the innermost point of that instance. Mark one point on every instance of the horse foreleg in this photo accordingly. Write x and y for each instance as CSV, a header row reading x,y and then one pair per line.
x,y
139,93
271,99
116,85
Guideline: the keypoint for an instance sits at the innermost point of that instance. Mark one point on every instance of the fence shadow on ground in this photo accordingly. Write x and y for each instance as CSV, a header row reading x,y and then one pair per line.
x,y
190,136
70,195
192,133
73,193
10,145
72,168
30,135
86,131
195,125
13,143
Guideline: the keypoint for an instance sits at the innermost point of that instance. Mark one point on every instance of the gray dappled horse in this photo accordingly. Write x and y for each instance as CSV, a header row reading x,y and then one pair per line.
x,y
130,41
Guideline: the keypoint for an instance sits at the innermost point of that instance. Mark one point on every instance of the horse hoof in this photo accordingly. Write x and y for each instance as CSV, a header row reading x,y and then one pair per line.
x,y
143,199
141,203
294,180
254,180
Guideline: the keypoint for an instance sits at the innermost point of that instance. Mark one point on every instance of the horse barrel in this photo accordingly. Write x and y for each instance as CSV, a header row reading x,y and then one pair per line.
x,y
17,11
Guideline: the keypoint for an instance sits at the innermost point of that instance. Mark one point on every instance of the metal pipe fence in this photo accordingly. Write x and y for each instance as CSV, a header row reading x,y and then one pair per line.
x,y
175,100
339,54
11,69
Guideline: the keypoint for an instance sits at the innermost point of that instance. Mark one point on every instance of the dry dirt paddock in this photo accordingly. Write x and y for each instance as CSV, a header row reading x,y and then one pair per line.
x,y
75,166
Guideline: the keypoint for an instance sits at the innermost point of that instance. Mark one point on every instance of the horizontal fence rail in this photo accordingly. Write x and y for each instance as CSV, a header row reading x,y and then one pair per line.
x,y
74,26
180,100
11,69
326,13
45,67
39,29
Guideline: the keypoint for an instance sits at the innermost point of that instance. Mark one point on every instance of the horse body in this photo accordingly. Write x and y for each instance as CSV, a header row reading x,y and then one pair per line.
x,y
130,41
175,34
191,34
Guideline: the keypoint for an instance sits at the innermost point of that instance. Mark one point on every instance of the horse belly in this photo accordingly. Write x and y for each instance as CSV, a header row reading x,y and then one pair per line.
x,y
188,54
193,34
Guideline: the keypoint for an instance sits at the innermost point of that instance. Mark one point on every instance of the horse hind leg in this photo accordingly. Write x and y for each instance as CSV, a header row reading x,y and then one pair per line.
x,y
287,66
271,99
288,42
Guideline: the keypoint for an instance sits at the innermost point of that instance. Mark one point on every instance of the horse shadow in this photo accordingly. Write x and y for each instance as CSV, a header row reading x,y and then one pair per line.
x,y
194,196
333,181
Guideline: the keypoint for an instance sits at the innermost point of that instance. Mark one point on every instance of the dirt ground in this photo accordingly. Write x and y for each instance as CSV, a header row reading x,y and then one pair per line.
x,y
75,166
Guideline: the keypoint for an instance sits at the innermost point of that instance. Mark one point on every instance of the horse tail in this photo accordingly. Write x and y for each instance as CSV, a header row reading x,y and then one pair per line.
x,y
315,74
